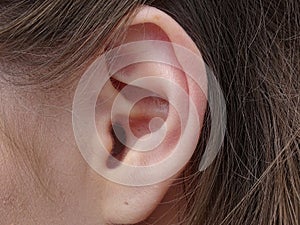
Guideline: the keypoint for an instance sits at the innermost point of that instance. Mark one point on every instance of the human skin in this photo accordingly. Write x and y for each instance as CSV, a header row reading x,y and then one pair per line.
x,y
55,185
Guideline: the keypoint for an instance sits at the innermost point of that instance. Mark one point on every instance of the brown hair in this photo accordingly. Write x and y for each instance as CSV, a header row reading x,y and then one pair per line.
x,y
253,49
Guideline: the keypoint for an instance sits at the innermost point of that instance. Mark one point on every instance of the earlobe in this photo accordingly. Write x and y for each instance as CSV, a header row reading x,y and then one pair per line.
x,y
164,102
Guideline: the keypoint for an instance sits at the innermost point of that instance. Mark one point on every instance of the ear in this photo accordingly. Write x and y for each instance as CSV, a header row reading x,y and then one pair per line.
x,y
128,103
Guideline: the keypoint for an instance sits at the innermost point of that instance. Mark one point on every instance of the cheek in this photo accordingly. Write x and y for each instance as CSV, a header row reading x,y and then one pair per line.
x,y
70,180
46,174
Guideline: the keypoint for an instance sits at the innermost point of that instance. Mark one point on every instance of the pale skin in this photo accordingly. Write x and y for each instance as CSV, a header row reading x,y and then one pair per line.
x,y
67,190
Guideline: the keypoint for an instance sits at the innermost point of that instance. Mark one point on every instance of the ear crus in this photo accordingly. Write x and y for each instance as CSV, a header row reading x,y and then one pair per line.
x,y
138,119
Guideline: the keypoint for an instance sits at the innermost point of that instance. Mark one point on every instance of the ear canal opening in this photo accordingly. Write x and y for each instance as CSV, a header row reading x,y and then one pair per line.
x,y
118,152
118,85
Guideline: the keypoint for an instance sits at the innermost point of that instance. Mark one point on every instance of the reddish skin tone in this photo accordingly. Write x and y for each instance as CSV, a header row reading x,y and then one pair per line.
x,y
75,193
